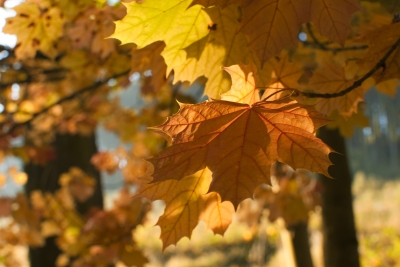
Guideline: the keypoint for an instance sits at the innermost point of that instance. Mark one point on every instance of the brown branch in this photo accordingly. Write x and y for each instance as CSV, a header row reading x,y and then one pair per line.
x,y
94,86
324,45
381,64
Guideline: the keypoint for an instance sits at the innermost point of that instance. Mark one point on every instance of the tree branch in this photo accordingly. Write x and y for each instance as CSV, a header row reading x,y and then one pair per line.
x,y
323,46
94,86
381,64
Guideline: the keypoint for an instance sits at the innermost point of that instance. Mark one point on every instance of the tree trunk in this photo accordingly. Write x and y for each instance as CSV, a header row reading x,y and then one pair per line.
x,y
301,245
70,150
340,240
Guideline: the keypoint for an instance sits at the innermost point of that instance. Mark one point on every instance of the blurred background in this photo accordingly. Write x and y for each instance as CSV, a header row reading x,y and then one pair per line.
x,y
265,233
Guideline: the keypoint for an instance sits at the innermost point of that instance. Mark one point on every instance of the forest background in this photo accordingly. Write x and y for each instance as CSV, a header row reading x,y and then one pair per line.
x,y
273,71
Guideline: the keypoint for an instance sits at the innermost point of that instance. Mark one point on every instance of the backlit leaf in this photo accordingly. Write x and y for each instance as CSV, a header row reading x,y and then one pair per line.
x,y
186,204
332,18
223,47
243,88
149,21
389,33
273,24
191,27
239,142
331,79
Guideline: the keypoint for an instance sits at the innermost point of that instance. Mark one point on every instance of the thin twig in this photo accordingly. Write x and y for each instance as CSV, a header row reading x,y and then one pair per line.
x,y
380,64
62,100
323,45
279,91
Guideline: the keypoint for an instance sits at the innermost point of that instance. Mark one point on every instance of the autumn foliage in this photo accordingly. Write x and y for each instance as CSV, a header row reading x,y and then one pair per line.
x,y
274,72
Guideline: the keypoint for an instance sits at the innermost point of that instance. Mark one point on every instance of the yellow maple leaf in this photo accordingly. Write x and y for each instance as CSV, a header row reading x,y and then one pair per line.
x,y
186,204
36,30
244,82
332,18
273,24
239,143
330,79
285,75
191,27
224,46
149,21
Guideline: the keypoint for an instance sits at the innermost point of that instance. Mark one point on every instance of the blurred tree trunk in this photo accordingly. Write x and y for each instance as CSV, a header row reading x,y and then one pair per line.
x,y
301,244
70,150
340,240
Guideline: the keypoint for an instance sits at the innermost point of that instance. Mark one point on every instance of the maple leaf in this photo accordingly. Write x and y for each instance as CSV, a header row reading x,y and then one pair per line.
x,y
273,24
186,204
223,47
332,18
36,30
285,74
191,27
247,80
244,82
377,50
239,142
332,79
149,21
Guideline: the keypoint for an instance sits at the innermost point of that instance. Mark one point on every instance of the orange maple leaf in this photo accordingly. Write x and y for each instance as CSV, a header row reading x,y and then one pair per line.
x,y
273,24
244,84
332,79
285,75
376,51
332,18
186,202
239,143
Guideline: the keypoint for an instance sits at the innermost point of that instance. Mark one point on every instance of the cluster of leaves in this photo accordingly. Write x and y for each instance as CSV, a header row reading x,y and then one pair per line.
x,y
262,116
97,240
270,89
